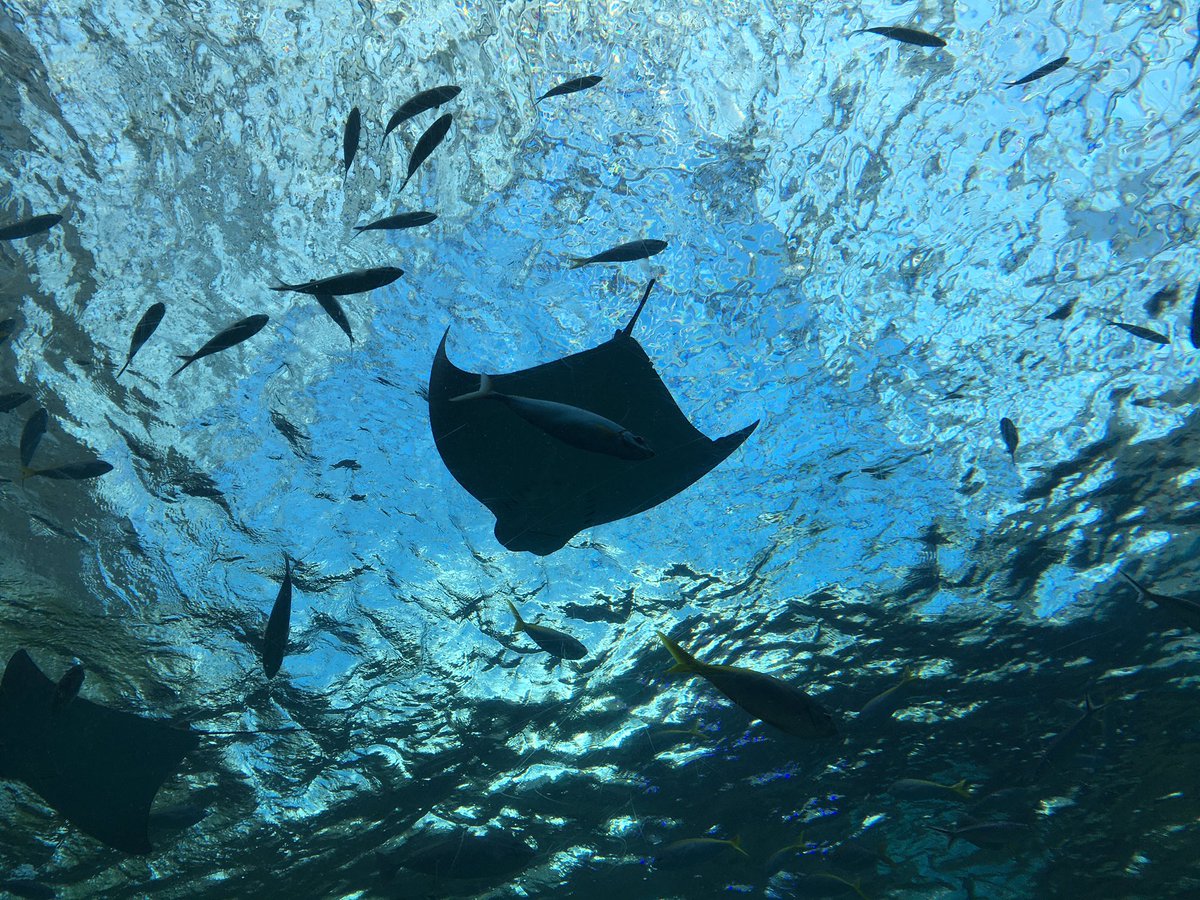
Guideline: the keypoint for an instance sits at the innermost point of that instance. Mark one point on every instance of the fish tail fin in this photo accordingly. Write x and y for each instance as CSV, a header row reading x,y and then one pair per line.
x,y
485,389
883,852
962,790
187,361
578,262
909,675
123,368
519,623
1138,587
685,663
948,832
736,844
283,287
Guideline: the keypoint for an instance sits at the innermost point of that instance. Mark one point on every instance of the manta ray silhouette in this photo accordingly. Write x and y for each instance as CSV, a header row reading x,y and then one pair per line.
x,y
543,491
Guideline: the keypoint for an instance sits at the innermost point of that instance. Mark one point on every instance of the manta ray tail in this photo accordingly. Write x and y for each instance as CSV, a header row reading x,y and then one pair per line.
x,y
485,390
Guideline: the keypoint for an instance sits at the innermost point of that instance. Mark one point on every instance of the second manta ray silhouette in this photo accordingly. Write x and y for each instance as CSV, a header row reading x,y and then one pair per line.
x,y
543,479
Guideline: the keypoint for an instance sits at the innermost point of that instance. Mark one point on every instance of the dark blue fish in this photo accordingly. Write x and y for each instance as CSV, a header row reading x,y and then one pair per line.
x,y
330,304
279,624
350,137
9,402
75,471
1144,333
1041,71
31,435
1008,431
1063,311
357,282
622,253
430,99
426,144
239,331
907,36
28,227
557,643
145,327
570,87
7,327
1195,333
396,222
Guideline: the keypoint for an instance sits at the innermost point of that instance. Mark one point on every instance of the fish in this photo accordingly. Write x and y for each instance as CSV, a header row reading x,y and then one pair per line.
x,y
79,471
622,253
145,328
395,223
695,852
906,36
578,427
462,854
1063,311
350,137
426,144
1008,432
276,637
1161,299
555,642
239,331
429,99
9,402
7,327
1195,331
31,435
1066,740
1182,610
357,282
764,697
28,227
330,304
351,464
985,834
826,884
28,888
1041,71
570,87
1144,333
919,789
883,704
67,688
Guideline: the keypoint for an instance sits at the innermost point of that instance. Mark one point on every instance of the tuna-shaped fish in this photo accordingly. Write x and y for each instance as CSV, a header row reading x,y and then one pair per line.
x,y
239,331
9,402
357,282
29,227
557,643
79,471
350,138
278,624
141,333
334,310
1145,334
1041,71
906,36
622,253
426,144
1008,433
570,87
429,99
396,222
696,852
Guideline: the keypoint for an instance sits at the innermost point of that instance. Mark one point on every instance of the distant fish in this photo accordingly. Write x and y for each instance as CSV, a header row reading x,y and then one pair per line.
x,y
1063,311
430,99
350,137
330,304
906,36
31,435
1041,71
1008,432
696,852
9,402
570,87
7,327
28,227
67,688
985,834
232,336
426,144
1182,610
351,464
28,889
1144,333
145,327
1195,333
1162,299
825,884
919,789
80,471
395,223
775,702
622,253
279,623
883,704
461,854
580,428
1067,740
557,643
357,282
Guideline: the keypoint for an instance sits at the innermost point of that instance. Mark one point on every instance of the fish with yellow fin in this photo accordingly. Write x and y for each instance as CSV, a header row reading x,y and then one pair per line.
x,y
883,704
557,643
920,789
695,852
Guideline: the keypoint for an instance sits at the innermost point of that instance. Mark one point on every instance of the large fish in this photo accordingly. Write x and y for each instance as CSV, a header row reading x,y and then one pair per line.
x,y
907,36
396,222
426,144
696,852
27,227
430,99
1008,431
553,641
1041,71
31,435
145,327
1145,334
985,834
330,304
80,471
1195,332
622,253
570,87
357,282
279,624
1182,610
239,331
350,137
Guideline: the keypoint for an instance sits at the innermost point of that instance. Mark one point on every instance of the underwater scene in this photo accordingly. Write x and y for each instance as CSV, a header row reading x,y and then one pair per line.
x,y
591,450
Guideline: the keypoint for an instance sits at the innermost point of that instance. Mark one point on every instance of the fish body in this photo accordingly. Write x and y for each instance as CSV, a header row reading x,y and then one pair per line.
x,y
695,852
1041,71
357,282
395,223
7,327
622,253
31,435
555,642
1063,311
9,402
330,304
1008,432
883,704
351,464
430,99
350,137
1183,610
463,854
570,87
239,331
775,702
907,36
985,834
75,471
578,427
28,227
279,623
426,144
1161,299
1066,740
919,789
67,688
1195,330
141,333
826,884
28,889
1144,333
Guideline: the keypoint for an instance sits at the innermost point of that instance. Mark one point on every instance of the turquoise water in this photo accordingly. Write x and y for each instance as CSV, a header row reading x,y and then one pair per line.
x,y
864,240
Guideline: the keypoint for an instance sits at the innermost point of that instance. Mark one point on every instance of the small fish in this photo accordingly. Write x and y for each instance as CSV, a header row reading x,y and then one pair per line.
x,y
985,834
67,688
279,623
28,889
141,334
75,471
426,144
358,498
1008,432
395,223
330,304
9,402
31,435
230,337
1063,311
553,641
919,789
883,704
350,137
28,227
569,424
1184,611
430,99
1041,71
1161,299
357,282
1195,332
351,464
906,36
696,852
622,253
1143,333
570,87
773,701
7,327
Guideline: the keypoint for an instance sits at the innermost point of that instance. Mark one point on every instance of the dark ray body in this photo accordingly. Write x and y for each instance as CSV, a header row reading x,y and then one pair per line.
x,y
394,223
1144,333
9,402
426,144
145,327
626,252
330,304
239,331
570,87
1186,612
278,624
67,688
357,282
79,471
907,36
429,99
1008,431
28,227
31,435
350,137
1041,71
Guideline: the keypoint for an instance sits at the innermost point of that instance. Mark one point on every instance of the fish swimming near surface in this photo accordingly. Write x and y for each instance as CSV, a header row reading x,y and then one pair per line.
x,y
29,227
1195,332
555,642
31,436
570,87
357,282
7,327
764,697
920,789
622,253
426,144
350,137
985,834
141,333
1041,71
906,36
351,464
1182,610
67,688
80,471
1161,299
569,424
696,852
429,99
883,704
1063,311
278,625
461,854
239,331
334,310
9,402
28,888
1067,741
1144,333
1008,433
395,223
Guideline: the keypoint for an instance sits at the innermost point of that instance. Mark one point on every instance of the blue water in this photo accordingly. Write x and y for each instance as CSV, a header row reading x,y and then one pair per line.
x,y
864,239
